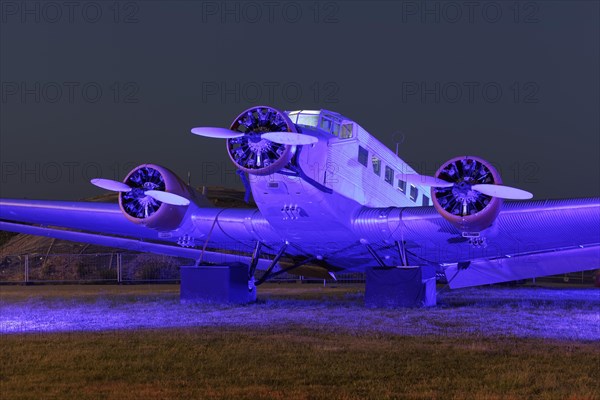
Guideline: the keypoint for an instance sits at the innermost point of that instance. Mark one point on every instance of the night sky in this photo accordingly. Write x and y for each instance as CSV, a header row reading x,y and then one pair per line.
x,y
90,88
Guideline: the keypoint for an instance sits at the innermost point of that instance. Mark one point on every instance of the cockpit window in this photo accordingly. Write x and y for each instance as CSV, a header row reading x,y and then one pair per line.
x,y
304,117
325,124
308,119
336,129
346,131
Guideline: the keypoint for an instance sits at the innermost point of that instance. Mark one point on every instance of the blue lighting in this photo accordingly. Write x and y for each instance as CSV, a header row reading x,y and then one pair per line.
x,y
565,314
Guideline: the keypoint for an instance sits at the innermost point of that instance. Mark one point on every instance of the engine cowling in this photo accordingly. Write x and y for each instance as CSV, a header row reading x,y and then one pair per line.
x,y
145,210
467,209
253,154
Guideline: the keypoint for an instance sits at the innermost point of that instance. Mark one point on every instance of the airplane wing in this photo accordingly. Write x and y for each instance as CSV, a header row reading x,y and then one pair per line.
x,y
528,239
105,224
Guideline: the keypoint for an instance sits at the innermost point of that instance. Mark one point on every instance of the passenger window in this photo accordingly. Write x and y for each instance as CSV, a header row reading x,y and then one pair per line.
x,y
389,175
326,124
346,131
414,192
376,165
401,185
363,156
425,201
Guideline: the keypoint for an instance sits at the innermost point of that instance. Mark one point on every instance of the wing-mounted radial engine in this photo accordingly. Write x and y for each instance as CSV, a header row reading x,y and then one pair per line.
x,y
261,140
467,191
152,196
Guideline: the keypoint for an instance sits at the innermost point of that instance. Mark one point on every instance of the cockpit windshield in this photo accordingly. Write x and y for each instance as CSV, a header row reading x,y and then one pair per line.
x,y
325,120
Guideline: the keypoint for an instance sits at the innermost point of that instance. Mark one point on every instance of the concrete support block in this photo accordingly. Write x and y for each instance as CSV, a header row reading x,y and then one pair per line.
x,y
216,284
400,287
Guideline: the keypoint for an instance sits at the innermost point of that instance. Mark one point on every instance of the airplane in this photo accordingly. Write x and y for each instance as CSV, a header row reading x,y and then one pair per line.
x,y
330,197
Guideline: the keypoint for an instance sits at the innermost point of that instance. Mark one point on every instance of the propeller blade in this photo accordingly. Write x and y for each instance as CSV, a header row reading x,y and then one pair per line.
x,y
109,184
219,133
168,198
290,138
424,180
503,192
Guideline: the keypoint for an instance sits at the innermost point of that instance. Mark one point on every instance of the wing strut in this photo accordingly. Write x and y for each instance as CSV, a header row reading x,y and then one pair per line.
x,y
375,255
255,258
273,263
402,252
212,228
297,265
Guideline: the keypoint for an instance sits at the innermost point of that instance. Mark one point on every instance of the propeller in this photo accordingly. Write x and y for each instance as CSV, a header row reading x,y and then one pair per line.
x,y
219,133
500,191
109,184
290,138
503,192
424,180
164,197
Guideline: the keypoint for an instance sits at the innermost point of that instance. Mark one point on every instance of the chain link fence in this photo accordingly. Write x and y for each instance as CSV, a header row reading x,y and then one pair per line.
x,y
152,268
89,268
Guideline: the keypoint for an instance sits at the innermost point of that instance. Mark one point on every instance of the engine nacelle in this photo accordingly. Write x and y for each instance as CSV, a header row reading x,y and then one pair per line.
x,y
145,210
254,155
467,209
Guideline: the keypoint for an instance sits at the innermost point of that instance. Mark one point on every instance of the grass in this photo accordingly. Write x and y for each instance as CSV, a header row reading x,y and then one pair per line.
x,y
291,363
298,341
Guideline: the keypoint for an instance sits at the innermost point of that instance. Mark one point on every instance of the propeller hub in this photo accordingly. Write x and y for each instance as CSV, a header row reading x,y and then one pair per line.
x,y
463,192
149,186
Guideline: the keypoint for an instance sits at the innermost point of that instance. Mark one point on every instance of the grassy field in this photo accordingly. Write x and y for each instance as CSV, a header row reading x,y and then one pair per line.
x,y
298,341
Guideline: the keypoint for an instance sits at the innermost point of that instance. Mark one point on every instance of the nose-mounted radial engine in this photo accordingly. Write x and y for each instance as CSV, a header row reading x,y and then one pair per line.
x,y
252,152
152,196
261,140
467,191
